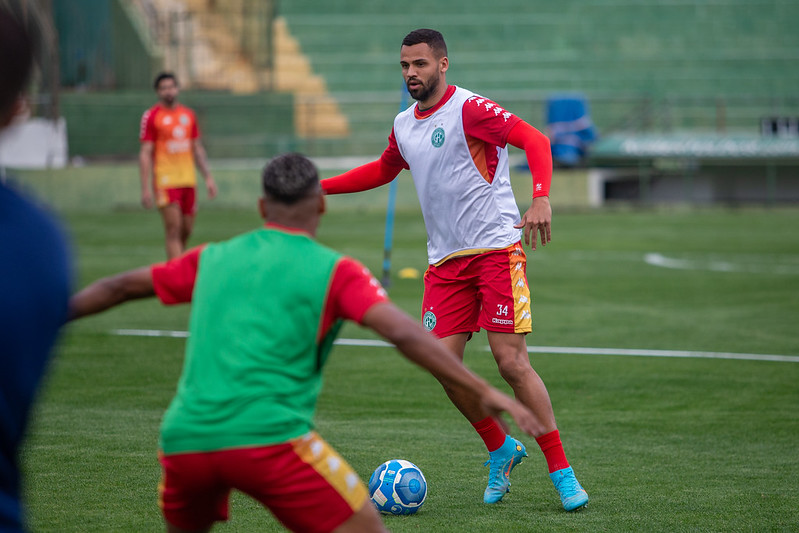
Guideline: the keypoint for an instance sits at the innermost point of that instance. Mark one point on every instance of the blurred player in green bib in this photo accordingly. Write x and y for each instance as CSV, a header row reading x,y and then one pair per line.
x,y
266,306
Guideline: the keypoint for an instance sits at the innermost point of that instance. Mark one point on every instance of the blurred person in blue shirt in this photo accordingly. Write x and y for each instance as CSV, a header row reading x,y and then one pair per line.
x,y
34,277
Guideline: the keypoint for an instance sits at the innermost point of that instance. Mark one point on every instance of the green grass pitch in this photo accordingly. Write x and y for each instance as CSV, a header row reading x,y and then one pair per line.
x,y
660,444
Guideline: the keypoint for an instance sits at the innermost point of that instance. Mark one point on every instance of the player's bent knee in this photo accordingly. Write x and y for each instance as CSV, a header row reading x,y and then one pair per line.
x,y
514,369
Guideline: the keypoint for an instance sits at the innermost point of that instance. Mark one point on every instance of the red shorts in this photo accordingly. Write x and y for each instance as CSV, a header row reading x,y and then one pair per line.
x,y
304,482
487,290
185,197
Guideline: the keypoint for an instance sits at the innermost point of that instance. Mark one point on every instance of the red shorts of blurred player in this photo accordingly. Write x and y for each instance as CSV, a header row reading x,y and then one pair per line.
x,y
487,290
304,482
185,197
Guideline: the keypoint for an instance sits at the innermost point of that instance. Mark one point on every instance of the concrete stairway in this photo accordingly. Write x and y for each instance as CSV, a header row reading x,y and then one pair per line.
x,y
212,58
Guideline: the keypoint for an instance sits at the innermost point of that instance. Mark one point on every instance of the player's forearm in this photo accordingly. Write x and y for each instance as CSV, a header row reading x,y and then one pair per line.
x,y
145,168
538,153
108,292
201,159
422,348
431,354
362,178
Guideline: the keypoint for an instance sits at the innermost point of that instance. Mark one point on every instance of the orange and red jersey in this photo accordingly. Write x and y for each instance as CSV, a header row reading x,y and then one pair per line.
x,y
172,132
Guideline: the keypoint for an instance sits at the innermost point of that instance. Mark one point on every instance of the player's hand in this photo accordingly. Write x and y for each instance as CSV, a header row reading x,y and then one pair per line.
x,y
147,199
537,220
496,402
210,186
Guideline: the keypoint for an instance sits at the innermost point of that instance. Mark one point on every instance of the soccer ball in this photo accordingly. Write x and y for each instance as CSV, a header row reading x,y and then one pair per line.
x,y
398,487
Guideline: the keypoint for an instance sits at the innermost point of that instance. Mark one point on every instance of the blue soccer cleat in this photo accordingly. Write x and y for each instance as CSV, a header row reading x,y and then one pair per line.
x,y
572,495
502,462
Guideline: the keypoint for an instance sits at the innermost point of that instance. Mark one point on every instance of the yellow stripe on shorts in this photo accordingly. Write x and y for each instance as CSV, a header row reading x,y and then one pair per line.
x,y
522,317
313,450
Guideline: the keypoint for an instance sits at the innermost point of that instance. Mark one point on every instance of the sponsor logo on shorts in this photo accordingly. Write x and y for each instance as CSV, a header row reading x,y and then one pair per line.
x,y
502,321
438,137
429,321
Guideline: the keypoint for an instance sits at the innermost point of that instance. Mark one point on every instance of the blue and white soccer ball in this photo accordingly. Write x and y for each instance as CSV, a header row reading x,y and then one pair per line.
x,y
398,487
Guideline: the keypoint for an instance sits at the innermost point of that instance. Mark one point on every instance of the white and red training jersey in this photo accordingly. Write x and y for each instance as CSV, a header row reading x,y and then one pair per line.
x,y
458,157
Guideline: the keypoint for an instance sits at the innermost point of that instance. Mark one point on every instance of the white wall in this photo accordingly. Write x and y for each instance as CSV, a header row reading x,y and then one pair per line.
x,y
34,143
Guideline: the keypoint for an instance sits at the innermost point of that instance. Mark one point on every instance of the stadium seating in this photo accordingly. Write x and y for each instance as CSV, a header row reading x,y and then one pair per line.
x,y
661,64
654,66
659,47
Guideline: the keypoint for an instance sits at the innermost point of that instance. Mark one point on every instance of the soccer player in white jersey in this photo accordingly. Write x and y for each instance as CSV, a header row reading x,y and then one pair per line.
x,y
454,142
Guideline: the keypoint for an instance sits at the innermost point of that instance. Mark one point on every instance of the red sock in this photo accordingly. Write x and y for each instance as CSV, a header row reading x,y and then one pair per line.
x,y
490,432
553,451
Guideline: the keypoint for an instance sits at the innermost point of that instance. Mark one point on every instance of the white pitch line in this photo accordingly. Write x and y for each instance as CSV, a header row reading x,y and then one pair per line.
x,y
531,349
664,353
149,333
363,342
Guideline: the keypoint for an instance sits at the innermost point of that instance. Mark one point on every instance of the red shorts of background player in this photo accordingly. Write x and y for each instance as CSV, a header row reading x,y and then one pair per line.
x,y
185,197
304,482
487,290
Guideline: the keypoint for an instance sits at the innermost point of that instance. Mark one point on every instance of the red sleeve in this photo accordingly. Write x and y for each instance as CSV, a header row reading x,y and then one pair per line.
x,y
361,178
173,280
147,126
485,120
391,155
539,155
353,291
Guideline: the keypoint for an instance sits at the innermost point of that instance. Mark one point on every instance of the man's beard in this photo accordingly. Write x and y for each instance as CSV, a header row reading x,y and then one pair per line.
x,y
423,92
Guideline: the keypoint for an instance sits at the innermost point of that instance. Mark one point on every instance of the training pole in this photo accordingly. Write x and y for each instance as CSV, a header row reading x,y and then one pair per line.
x,y
392,200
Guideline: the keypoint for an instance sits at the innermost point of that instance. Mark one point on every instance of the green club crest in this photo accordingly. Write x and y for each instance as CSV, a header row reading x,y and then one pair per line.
x,y
438,137
429,321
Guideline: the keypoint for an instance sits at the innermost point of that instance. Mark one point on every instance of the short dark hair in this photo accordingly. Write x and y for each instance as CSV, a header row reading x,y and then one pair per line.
x,y
289,178
164,76
16,60
431,38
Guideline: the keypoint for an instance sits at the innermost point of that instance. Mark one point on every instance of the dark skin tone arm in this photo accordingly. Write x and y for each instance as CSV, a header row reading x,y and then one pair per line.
x,y
384,318
108,292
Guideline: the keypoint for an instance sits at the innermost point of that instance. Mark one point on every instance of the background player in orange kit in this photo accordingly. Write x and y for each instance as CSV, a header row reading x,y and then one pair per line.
x,y
170,147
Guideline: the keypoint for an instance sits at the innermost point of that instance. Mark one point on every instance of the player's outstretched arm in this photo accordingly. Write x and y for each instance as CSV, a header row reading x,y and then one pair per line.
x,y
428,352
111,291
362,178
